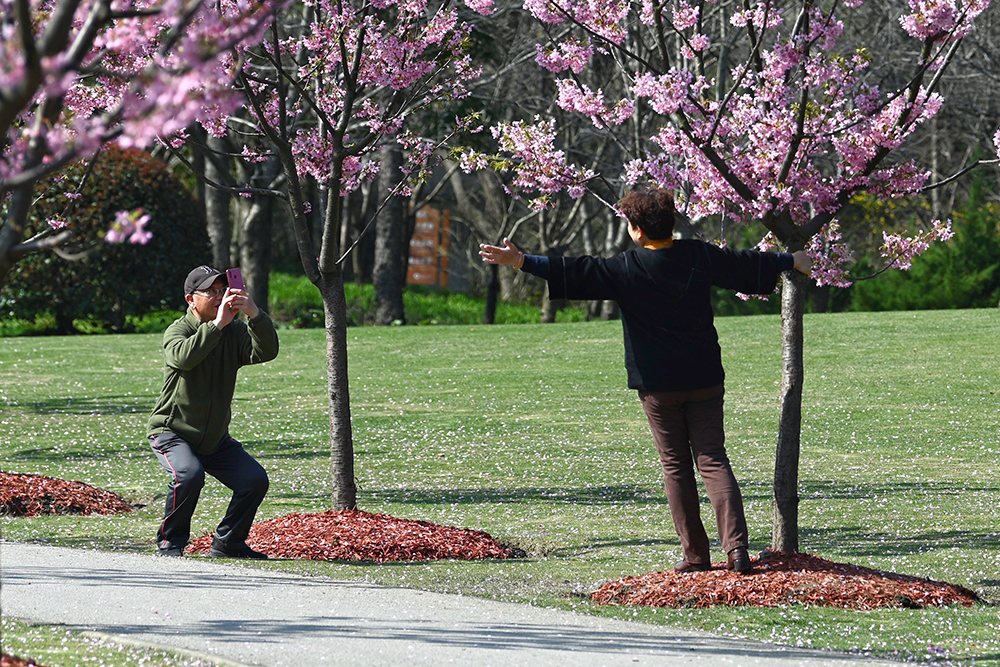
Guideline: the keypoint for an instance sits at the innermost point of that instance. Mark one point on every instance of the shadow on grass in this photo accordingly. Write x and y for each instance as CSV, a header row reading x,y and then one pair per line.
x,y
840,490
854,541
50,455
593,495
269,449
103,406
834,489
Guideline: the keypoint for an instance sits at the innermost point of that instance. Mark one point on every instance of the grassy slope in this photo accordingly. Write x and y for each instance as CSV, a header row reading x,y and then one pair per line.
x,y
529,433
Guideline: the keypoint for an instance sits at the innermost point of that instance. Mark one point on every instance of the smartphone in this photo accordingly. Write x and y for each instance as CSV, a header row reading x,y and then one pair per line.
x,y
235,279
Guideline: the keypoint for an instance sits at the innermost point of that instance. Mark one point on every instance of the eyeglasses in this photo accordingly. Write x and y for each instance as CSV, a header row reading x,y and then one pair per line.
x,y
220,291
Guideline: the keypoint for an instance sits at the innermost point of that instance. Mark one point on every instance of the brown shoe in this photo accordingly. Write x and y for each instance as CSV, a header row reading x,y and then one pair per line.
x,y
739,560
685,566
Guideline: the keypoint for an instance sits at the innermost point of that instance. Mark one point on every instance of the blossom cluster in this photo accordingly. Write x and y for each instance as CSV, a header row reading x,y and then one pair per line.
x,y
540,167
941,19
757,153
146,72
829,255
900,249
358,62
131,226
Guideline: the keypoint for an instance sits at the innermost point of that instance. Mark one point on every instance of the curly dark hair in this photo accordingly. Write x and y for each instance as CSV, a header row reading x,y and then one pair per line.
x,y
651,210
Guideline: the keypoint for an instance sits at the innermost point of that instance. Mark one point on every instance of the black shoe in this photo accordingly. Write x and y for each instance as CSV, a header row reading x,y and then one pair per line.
x,y
685,567
219,550
173,552
739,560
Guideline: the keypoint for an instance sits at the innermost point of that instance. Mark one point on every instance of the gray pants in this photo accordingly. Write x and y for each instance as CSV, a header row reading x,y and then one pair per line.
x,y
688,429
231,465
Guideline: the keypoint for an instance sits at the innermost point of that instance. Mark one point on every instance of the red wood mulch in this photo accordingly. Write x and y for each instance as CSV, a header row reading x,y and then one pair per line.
x,y
359,536
353,535
782,579
12,661
34,495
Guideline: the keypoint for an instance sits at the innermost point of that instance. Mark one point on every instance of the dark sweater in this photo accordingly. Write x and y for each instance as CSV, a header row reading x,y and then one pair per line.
x,y
670,339
200,376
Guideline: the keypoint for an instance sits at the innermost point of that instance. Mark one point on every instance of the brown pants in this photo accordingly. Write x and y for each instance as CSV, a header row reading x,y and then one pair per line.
x,y
688,424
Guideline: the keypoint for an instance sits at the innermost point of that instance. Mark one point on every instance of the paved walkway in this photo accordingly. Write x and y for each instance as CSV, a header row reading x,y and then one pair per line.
x,y
246,616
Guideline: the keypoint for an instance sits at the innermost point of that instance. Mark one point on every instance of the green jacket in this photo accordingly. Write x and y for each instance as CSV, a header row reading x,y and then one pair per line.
x,y
200,376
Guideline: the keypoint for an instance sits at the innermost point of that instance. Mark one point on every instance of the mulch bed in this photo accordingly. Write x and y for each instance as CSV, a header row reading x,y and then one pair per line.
x,y
12,661
783,578
34,495
353,535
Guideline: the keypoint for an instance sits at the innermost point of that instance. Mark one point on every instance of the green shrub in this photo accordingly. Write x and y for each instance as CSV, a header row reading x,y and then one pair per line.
x,y
961,273
110,285
154,322
296,302
15,327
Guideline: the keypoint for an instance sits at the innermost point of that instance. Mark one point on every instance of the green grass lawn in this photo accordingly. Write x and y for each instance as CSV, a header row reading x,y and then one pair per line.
x,y
528,432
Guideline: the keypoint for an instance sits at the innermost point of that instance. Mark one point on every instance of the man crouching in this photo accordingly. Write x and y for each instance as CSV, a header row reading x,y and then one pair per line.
x,y
189,427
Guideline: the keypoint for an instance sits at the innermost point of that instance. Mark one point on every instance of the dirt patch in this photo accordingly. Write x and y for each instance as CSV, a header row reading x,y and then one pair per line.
x,y
783,578
34,495
353,535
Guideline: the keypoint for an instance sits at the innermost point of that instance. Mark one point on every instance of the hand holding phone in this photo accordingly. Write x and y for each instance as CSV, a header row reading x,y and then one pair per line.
x,y
235,279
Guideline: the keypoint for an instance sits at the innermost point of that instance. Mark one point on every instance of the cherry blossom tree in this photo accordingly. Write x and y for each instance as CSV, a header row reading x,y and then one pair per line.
x,y
332,85
761,118
75,75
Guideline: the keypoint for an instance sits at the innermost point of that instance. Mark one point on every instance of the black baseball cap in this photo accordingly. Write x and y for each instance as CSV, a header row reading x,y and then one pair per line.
x,y
202,278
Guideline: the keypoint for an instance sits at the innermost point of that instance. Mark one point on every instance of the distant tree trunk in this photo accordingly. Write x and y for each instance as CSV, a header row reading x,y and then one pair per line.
x,y
492,295
255,250
610,310
785,530
357,213
220,224
550,307
198,166
252,250
348,232
12,228
389,242
821,298
64,323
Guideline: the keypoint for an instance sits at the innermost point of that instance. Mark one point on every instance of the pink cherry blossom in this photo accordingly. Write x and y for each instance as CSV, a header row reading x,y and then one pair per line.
x,y
829,255
940,19
541,167
130,225
899,249
753,156
571,54
685,16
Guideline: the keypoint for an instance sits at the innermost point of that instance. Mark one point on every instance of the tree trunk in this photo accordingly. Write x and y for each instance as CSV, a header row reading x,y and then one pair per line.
x,y
550,307
389,242
345,492
255,250
12,229
821,298
492,295
348,232
220,225
785,530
